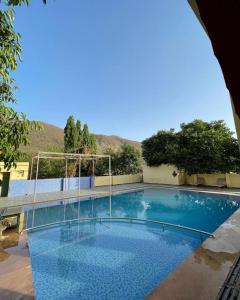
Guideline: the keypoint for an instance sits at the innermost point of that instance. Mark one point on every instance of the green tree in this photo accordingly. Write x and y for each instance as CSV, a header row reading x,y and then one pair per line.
x,y
129,160
199,147
70,136
161,148
48,168
79,134
85,140
207,148
102,165
14,126
125,161
93,143
89,144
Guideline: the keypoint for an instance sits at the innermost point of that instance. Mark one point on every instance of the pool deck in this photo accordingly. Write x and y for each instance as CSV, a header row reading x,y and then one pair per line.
x,y
198,277
15,268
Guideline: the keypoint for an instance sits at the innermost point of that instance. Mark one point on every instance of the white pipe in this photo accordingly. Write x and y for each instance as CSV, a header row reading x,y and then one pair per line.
x,y
72,154
30,178
35,185
79,176
110,186
66,173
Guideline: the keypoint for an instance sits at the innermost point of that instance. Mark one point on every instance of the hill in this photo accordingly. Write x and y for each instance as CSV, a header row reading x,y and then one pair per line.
x,y
52,137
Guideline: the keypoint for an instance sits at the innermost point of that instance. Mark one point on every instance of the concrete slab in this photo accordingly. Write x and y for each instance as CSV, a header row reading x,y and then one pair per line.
x,y
15,268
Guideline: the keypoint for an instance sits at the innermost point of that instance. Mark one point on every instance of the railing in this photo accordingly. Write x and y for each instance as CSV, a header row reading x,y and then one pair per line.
x,y
109,219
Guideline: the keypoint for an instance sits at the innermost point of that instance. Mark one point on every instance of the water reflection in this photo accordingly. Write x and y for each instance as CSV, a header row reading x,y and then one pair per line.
x,y
198,210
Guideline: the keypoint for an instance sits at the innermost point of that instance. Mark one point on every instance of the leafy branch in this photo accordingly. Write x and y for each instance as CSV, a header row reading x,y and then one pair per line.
x,y
14,127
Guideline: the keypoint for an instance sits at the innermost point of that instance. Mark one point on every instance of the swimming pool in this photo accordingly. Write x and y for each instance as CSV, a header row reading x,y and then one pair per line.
x,y
118,260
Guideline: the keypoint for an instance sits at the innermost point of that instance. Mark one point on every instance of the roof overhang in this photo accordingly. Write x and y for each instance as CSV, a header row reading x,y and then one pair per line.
x,y
221,21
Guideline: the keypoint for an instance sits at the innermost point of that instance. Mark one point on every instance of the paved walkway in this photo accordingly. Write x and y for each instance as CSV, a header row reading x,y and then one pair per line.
x,y
15,268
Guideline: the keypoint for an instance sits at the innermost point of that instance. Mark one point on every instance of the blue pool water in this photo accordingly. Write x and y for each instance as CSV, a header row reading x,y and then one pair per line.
x,y
118,260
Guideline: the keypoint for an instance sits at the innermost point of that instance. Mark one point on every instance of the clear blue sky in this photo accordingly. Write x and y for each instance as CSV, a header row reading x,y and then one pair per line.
x,y
128,67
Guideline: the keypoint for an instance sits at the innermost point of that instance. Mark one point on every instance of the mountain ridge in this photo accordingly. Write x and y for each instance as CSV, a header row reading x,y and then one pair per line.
x,y
52,136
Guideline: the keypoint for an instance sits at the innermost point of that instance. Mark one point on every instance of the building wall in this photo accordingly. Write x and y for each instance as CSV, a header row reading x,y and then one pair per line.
x,y
191,179
233,180
120,179
163,175
206,179
26,187
123,179
102,180
18,173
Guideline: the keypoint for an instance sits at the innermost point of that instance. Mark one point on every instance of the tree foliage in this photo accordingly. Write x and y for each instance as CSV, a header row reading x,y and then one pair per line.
x,y
14,127
20,2
48,168
207,148
125,161
71,135
129,160
199,147
79,133
78,140
88,144
161,148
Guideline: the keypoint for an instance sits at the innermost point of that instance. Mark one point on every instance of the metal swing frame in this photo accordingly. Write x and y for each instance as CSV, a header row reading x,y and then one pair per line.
x,y
69,157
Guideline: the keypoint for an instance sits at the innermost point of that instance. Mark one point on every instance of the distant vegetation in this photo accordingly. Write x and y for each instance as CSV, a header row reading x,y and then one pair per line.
x,y
78,139
126,158
199,147
52,136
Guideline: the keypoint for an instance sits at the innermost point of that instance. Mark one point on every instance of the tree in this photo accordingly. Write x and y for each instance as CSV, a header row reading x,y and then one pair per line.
x,y
70,135
161,148
207,148
89,145
20,2
129,160
14,126
79,134
93,143
48,168
85,139
125,161
199,147
78,140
